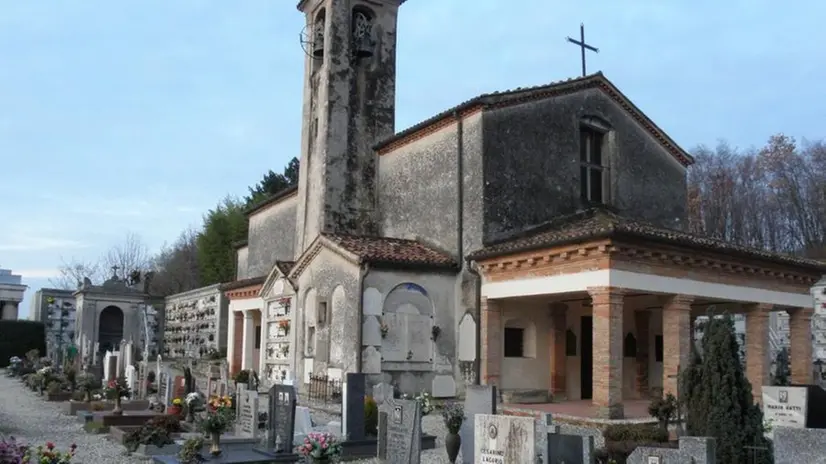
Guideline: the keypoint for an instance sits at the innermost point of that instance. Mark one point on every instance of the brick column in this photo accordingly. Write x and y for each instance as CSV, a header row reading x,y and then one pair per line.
x,y
642,326
676,340
236,341
800,354
491,352
758,363
559,365
607,351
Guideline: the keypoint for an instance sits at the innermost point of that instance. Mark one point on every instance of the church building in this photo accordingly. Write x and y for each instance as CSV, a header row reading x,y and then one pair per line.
x,y
534,239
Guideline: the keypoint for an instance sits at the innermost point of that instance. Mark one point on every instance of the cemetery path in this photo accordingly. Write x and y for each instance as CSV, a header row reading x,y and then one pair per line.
x,y
28,418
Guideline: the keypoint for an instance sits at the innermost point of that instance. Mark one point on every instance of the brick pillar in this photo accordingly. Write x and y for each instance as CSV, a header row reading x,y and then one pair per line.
x,y
800,354
559,365
757,348
642,326
491,355
607,351
676,340
236,339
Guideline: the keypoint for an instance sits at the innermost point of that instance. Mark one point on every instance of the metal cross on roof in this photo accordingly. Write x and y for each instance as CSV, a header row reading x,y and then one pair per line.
x,y
582,45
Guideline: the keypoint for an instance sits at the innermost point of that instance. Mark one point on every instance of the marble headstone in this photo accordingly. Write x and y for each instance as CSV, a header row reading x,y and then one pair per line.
x,y
504,439
381,392
131,376
247,420
569,449
281,430
400,434
479,399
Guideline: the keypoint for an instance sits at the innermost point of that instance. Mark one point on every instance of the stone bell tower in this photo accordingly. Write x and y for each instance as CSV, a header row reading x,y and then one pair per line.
x,y
349,105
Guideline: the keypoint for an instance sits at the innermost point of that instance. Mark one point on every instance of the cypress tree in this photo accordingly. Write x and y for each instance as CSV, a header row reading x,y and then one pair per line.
x,y
719,399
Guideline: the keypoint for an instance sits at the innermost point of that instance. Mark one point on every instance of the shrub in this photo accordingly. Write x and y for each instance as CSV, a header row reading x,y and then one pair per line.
x,y
635,432
663,409
53,388
17,338
158,432
371,417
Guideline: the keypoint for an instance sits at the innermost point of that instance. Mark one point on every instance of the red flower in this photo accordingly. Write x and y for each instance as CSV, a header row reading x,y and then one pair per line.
x,y
73,446
50,445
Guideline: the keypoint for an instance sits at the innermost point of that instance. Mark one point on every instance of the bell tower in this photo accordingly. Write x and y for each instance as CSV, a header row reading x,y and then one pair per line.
x,y
349,105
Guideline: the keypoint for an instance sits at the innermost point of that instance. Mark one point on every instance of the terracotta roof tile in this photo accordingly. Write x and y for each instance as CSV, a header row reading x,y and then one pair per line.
x,y
600,223
393,251
236,284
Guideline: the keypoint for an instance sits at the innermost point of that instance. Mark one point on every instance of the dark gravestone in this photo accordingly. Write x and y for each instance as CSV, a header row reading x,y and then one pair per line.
x,y
479,399
352,408
403,437
282,418
382,433
567,449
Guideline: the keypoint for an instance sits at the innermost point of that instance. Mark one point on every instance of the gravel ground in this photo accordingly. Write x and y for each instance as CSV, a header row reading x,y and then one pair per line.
x,y
24,415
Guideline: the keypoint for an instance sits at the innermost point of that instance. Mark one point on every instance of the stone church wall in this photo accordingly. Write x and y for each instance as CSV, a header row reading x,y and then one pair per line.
x,y
531,165
409,331
241,263
271,236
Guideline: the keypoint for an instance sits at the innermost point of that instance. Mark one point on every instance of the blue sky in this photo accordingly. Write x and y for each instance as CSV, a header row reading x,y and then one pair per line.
x,y
139,115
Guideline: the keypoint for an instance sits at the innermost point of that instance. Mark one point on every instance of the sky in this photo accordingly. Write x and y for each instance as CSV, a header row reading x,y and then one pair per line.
x,y
140,115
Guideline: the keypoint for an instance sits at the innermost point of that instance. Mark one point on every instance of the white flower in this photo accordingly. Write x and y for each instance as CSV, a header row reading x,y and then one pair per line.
x,y
193,397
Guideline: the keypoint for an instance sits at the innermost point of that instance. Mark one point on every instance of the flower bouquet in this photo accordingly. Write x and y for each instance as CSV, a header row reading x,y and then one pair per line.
x,y
425,402
217,420
11,451
117,389
48,455
177,407
319,447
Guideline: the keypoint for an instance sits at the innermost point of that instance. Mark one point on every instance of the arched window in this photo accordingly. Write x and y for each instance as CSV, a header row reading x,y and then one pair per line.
x,y
407,325
318,34
362,22
519,339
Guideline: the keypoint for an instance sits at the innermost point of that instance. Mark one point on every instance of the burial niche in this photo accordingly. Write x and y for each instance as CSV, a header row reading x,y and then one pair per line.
x,y
407,325
520,339
110,328
629,346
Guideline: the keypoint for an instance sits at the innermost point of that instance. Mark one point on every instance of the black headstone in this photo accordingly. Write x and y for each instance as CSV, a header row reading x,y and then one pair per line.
x,y
282,418
565,449
382,432
353,407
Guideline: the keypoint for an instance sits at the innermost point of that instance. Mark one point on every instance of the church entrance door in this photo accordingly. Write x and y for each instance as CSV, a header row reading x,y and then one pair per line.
x,y
586,358
110,328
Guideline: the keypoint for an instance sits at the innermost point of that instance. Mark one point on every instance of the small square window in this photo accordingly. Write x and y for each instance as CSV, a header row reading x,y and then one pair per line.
x,y
514,342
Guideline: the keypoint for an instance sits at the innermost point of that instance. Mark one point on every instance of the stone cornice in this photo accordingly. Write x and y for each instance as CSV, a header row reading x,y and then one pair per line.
x,y
194,293
244,293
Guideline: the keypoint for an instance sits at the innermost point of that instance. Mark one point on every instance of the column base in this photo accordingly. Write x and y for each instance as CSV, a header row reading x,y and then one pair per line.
x,y
616,411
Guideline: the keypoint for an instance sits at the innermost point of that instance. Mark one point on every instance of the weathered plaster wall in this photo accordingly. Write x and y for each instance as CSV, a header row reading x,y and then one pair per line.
x,y
349,105
433,362
531,372
241,263
271,236
531,165
329,283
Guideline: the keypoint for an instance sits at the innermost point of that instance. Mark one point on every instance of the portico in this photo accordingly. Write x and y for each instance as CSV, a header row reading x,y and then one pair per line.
x,y
244,324
598,307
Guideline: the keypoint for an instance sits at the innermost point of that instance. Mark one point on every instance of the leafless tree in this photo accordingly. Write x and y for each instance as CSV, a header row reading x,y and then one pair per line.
x,y
71,273
129,256
176,266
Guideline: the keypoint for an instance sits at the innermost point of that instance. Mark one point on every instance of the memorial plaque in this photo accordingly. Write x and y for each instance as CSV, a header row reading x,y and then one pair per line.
x,y
393,345
419,331
479,399
505,439
403,440
282,418
785,406
567,449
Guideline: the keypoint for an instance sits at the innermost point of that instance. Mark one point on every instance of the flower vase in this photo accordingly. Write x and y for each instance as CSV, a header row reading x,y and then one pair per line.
x,y
215,449
453,442
117,410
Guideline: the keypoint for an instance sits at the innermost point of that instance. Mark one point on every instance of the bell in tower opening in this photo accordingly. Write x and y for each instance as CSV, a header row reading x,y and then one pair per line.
x,y
317,36
362,34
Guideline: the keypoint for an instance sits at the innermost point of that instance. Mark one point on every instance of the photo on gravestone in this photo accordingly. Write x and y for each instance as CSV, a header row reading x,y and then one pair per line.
x,y
402,441
281,418
505,439
654,460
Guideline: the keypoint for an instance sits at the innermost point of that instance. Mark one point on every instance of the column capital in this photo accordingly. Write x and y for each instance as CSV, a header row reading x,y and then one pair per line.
x,y
249,313
805,313
679,302
606,292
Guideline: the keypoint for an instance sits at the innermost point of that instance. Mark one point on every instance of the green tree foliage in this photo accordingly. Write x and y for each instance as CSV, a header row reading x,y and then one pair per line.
x,y
273,183
718,397
223,226
782,369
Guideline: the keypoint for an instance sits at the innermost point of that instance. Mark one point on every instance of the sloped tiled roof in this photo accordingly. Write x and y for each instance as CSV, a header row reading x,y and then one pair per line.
x,y
599,223
526,94
392,251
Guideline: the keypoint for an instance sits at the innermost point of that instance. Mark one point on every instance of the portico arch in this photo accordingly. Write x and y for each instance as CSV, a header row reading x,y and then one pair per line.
x,y
110,328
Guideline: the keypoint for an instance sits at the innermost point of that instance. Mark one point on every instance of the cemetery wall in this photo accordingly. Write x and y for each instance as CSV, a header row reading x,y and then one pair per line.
x,y
329,316
271,234
417,350
185,337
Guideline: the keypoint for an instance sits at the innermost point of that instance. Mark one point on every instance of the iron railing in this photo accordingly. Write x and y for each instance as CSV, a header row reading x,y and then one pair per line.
x,y
324,389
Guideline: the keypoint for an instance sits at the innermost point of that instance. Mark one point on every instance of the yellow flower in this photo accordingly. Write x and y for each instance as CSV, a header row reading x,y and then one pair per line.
x,y
177,402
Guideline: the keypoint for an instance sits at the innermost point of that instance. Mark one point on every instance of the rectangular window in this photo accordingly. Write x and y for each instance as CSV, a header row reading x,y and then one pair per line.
x,y
592,170
658,348
258,337
322,313
514,342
